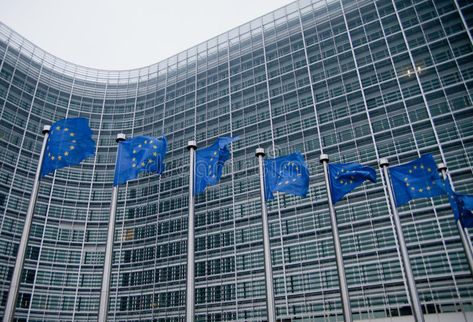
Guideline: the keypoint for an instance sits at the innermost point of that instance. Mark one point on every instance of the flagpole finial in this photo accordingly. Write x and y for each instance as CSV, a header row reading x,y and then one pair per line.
x,y
441,167
46,129
383,162
323,158
259,152
120,137
191,145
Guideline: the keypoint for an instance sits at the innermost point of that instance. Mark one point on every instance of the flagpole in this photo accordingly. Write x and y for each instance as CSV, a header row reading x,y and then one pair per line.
x,y
268,269
20,257
107,267
442,168
190,294
337,245
411,284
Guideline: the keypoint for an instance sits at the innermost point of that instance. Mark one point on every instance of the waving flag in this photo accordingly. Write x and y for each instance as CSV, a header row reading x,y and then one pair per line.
x,y
345,177
416,179
210,162
287,174
139,154
70,142
462,206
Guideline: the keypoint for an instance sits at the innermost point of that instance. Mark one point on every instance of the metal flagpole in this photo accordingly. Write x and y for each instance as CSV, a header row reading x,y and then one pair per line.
x,y
190,294
465,242
411,284
107,267
20,257
268,269
338,247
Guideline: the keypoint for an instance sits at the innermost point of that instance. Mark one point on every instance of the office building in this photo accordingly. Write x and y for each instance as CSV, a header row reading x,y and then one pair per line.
x,y
356,79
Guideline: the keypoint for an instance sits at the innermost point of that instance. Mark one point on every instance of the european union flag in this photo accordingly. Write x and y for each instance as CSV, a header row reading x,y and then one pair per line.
x,y
209,163
286,174
462,206
416,179
70,142
345,177
139,154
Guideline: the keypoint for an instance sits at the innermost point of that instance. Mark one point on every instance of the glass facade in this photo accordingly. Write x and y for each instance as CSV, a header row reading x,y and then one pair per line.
x,y
356,79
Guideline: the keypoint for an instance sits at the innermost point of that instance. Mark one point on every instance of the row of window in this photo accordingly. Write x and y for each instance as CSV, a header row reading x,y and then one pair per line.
x,y
233,97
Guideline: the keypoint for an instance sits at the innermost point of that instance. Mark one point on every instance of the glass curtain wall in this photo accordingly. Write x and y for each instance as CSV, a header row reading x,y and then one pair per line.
x,y
358,80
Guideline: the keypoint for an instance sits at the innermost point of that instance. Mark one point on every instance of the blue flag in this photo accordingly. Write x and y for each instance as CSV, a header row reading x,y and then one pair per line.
x,y
345,177
139,154
416,179
462,206
286,174
70,142
209,163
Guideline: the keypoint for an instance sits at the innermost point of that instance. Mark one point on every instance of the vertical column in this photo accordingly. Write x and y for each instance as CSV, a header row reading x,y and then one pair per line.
x,y
268,269
190,294
107,267
464,239
20,257
338,247
411,284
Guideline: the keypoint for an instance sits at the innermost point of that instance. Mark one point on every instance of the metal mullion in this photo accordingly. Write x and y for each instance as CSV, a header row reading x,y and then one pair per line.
x,y
82,257
184,237
311,84
463,234
418,153
46,219
158,201
124,211
421,256
465,25
20,147
284,276
455,60
295,90
352,51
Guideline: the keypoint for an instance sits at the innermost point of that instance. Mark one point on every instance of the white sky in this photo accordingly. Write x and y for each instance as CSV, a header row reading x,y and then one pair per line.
x,y
125,34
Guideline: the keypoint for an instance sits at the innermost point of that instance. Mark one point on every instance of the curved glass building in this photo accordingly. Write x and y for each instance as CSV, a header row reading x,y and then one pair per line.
x,y
356,79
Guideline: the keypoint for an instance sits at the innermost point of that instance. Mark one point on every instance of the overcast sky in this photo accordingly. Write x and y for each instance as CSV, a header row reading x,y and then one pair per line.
x,y
125,34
